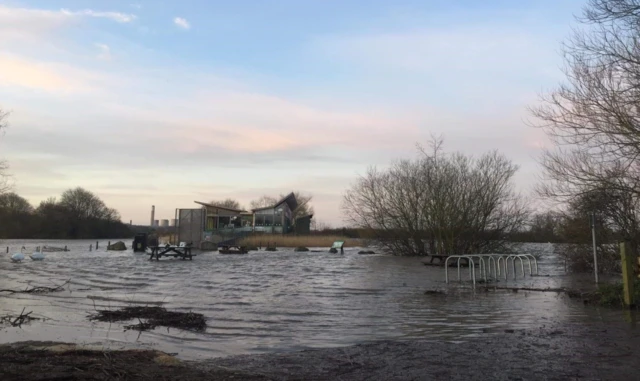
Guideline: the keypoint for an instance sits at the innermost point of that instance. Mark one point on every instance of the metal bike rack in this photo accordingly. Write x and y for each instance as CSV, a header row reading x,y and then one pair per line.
x,y
472,267
499,262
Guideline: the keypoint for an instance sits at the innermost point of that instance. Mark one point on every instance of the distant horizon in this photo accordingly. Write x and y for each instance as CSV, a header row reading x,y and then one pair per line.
x,y
166,104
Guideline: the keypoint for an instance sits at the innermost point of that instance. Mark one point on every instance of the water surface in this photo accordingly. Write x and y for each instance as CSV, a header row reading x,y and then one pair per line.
x,y
276,301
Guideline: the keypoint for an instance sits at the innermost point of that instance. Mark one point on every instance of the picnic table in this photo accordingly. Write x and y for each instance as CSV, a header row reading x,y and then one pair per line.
x,y
182,251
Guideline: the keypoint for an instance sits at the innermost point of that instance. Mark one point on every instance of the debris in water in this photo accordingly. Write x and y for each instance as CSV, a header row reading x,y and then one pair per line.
x,y
17,321
153,317
38,290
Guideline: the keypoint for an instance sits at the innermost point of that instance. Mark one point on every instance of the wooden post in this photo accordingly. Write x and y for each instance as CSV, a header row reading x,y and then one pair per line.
x,y
90,247
108,244
7,249
65,248
627,273
96,245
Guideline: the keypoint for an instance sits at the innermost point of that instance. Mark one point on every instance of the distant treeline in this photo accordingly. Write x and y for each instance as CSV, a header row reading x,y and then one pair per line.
x,y
77,214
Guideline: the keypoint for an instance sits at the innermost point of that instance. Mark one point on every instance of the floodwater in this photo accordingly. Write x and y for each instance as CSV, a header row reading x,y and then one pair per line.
x,y
275,301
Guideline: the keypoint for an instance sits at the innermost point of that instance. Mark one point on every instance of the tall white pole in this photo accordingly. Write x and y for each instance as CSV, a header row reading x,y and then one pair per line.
x,y
593,234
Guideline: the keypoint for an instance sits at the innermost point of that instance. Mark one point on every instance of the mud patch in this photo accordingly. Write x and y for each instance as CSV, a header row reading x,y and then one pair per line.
x,y
58,361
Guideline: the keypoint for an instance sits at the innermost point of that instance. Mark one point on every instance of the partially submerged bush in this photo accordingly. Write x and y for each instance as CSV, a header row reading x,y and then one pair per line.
x,y
579,257
610,294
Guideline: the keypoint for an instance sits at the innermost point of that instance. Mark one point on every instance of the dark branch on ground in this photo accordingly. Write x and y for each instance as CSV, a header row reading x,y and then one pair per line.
x,y
152,317
17,321
38,289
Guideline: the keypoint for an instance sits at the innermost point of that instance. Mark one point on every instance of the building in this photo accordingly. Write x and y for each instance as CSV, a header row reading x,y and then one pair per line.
x,y
273,219
303,225
218,223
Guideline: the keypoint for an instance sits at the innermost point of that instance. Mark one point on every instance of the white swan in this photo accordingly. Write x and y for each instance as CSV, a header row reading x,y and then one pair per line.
x,y
37,256
18,257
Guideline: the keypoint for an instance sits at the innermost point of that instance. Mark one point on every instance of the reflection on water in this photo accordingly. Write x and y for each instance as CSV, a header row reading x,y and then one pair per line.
x,y
275,301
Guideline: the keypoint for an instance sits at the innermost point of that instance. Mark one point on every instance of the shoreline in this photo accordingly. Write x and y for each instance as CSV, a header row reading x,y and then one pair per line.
x,y
557,351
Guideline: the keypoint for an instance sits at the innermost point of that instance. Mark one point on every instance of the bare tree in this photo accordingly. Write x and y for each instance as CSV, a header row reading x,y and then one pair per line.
x,y
4,183
14,204
227,203
83,204
594,117
438,203
263,202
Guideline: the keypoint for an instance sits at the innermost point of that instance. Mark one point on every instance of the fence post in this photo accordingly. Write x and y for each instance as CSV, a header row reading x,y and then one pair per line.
x,y
627,273
91,247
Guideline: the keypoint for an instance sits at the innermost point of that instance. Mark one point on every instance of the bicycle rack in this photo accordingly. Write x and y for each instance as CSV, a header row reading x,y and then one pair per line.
x,y
500,264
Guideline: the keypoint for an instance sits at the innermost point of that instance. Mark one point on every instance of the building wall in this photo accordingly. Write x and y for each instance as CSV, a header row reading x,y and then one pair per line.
x,y
303,225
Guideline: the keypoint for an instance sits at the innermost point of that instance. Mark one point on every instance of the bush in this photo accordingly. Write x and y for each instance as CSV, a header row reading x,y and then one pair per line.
x,y
579,257
610,294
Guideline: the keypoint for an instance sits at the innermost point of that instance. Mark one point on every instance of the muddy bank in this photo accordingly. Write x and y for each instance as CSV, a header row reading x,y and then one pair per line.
x,y
559,352
32,361
563,352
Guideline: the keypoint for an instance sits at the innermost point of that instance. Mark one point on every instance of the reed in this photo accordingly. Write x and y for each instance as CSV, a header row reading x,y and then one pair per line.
x,y
300,240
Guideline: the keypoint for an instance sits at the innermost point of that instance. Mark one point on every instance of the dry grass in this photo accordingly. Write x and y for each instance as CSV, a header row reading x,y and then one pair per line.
x,y
298,241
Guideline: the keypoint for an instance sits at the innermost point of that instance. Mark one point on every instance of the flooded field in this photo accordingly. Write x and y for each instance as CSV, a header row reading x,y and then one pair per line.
x,y
276,301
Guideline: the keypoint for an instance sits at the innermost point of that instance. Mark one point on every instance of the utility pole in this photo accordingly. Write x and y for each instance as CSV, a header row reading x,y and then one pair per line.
x,y
592,217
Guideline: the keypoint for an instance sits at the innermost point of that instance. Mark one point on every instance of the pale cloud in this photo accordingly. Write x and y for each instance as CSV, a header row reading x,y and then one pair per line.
x,y
15,71
182,23
11,17
105,51
114,16
454,50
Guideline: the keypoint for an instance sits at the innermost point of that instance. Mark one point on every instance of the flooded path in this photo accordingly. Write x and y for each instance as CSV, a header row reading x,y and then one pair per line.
x,y
278,301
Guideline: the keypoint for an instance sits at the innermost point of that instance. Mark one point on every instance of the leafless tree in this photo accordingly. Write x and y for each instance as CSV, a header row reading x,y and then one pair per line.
x,y
263,202
594,117
83,204
4,183
438,203
14,204
227,203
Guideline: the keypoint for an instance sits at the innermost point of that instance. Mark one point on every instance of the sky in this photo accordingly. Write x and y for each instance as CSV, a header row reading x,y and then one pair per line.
x,y
168,102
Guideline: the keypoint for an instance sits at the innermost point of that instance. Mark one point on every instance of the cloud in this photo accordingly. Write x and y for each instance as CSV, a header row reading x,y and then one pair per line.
x,y
182,23
114,16
105,52
136,5
16,71
11,17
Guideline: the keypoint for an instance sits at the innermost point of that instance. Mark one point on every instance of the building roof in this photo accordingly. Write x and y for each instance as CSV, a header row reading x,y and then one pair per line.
x,y
310,216
219,207
289,199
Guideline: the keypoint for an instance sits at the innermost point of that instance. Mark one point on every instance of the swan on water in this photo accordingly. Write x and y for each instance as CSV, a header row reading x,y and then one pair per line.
x,y
37,256
18,257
